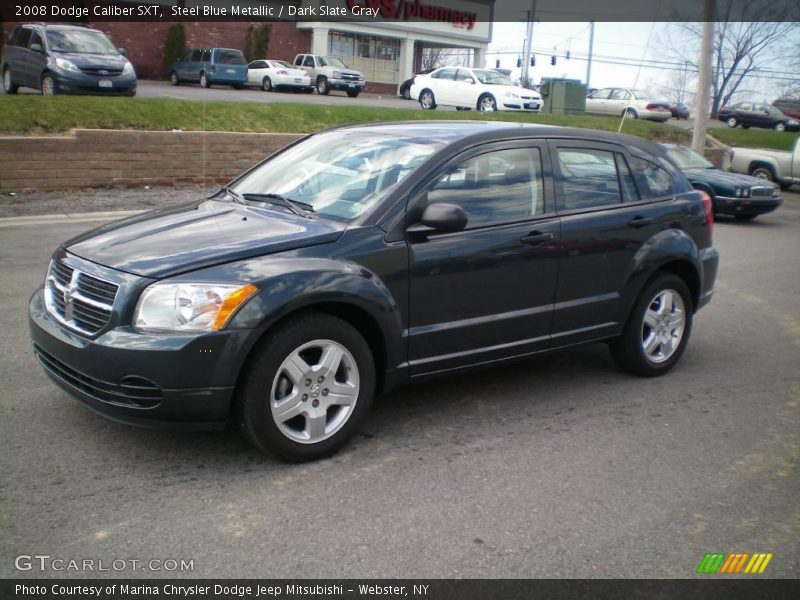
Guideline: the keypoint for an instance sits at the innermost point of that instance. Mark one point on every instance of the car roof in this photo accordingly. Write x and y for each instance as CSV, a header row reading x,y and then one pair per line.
x,y
452,131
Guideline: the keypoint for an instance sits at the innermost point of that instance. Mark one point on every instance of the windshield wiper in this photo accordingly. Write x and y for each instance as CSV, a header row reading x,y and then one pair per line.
x,y
299,208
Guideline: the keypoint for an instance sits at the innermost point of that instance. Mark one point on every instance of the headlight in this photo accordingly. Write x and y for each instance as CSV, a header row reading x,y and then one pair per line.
x,y
190,306
127,69
65,65
792,122
512,95
337,74
745,192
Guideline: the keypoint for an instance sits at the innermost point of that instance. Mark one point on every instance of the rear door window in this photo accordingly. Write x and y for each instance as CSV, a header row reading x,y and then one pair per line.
x,y
653,181
309,61
36,39
444,74
197,56
587,178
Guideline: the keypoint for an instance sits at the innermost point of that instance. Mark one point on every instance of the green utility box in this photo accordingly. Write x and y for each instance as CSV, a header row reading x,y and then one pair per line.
x,y
563,96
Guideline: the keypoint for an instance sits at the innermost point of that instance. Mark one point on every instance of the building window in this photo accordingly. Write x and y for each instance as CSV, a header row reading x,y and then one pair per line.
x,y
376,57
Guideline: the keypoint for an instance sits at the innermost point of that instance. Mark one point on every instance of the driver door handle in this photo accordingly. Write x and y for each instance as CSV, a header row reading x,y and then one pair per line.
x,y
535,238
638,222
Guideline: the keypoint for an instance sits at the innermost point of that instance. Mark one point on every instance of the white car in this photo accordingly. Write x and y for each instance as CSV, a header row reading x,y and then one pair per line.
x,y
466,88
276,74
628,102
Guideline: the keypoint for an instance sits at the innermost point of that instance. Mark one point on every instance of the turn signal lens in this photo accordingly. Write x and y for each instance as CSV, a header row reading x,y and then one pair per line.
x,y
231,303
708,209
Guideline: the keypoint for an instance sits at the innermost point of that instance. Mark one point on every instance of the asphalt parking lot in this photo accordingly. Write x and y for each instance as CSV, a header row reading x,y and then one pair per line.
x,y
558,466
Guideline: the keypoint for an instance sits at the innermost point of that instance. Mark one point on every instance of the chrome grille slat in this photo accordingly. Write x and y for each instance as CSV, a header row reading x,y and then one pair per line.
x,y
78,300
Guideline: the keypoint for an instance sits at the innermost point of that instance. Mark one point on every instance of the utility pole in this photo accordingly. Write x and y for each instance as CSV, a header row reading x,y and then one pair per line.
x,y
527,45
591,47
704,78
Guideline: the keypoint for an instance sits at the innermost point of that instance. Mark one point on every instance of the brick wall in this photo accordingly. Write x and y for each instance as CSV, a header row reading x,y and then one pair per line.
x,y
96,158
144,42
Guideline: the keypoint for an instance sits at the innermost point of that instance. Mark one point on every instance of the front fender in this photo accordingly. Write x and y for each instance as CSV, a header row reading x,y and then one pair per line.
x,y
671,246
290,284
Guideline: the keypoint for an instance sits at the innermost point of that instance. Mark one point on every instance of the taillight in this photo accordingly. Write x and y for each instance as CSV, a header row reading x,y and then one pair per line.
x,y
655,107
708,209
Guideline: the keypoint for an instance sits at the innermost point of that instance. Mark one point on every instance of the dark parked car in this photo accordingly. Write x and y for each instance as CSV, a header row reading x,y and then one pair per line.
x,y
405,87
742,196
220,66
367,256
791,108
679,111
749,114
65,59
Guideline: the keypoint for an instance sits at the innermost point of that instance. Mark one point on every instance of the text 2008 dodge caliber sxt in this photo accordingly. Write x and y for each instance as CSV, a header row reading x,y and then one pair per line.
x,y
366,256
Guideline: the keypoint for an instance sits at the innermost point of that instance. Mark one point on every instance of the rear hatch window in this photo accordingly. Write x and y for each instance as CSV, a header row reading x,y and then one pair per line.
x,y
229,57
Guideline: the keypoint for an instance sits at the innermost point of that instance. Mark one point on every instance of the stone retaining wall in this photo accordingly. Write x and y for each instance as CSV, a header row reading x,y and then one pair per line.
x,y
99,158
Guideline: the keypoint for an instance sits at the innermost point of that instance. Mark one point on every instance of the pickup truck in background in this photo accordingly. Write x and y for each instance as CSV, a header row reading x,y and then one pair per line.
x,y
779,166
330,73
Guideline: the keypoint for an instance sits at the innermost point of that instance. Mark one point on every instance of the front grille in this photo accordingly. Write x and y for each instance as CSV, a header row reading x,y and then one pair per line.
x,y
134,392
78,300
350,76
102,71
761,192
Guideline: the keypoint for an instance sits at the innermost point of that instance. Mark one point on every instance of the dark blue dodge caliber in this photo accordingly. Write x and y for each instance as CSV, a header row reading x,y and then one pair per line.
x,y
362,257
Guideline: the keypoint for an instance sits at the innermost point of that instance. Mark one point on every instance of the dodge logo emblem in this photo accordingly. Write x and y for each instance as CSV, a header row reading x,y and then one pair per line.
x,y
103,72
69,305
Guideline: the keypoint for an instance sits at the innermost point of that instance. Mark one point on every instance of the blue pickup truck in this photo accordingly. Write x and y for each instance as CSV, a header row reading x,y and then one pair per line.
x,y
208,66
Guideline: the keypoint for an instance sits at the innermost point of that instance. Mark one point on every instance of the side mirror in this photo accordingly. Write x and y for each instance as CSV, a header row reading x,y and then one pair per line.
x,y
470,80
440,218
37,48
122,51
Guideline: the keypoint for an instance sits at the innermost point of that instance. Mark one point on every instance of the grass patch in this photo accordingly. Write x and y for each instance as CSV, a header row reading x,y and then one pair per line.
x,y
37,115
755,138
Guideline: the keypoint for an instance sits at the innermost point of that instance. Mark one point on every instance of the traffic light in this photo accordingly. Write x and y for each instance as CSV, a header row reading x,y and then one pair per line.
x,y
553,59
519,63
497,64
533,60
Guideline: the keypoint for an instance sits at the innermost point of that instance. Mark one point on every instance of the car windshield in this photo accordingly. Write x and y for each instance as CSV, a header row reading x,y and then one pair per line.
x,y
332,61
229,57
687,158
280,64
491,77
80,42
339,174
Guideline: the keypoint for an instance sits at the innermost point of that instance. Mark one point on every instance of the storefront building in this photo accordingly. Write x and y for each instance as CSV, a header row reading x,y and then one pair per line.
x,y
387,49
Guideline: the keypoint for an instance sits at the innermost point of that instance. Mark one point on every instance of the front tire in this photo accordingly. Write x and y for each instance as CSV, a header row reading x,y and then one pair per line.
x,y
658,328
732,122
487,103
323,88
353,93
780,127
8,86
204,81
308,388
744,217
49,87
763,172
630,114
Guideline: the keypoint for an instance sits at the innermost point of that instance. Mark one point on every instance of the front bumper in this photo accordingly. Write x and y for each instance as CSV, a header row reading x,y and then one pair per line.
x,y
172,381
745,206
521,104
68,82
346,84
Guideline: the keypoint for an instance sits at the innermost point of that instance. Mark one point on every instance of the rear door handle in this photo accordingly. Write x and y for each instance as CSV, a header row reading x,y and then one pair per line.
x,y
638,222
535,238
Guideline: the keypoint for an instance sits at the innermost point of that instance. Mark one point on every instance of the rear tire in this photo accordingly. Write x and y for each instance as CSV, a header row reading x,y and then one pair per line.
x,y
8,86
204,81
322,86
322,407
657,329
427,100
266,84
732,122
630,114
174,79
744,217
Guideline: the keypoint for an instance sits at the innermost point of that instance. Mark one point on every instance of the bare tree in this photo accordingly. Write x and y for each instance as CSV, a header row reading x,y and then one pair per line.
x,y
742,49
432,58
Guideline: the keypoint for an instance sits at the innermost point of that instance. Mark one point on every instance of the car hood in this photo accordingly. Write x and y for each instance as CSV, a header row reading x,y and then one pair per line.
x,y
202,234
719,177
504,89
94,60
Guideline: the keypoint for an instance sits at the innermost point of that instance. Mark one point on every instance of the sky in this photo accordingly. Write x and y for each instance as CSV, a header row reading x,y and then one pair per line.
x,y
613,43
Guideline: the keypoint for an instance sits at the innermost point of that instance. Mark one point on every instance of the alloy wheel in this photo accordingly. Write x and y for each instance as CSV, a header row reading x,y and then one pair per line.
x,y
314,391
426,100
663,325
780,127
48,86
732,122
7,81
266,85
487,104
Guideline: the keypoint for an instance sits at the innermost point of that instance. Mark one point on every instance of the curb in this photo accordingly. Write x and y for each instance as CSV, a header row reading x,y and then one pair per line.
x,y
59,219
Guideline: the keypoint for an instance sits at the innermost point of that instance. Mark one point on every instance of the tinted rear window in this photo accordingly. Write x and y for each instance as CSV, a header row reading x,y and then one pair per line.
x,y
229,57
